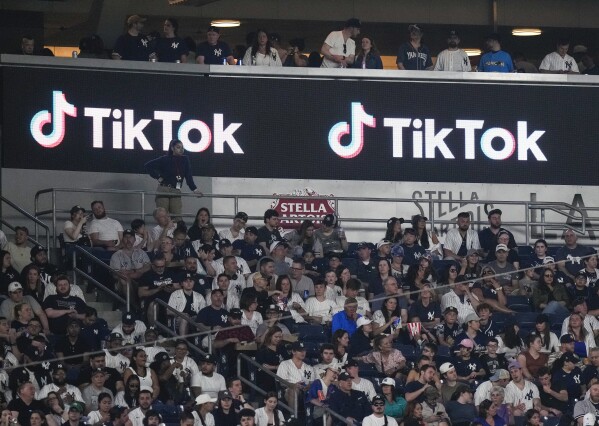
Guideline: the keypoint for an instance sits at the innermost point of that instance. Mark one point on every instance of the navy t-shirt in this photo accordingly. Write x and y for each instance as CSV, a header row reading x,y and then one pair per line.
x,y
425,314
413,387
572,257
248,251
132,48
214,55
414,59
412,254
170,49
213,317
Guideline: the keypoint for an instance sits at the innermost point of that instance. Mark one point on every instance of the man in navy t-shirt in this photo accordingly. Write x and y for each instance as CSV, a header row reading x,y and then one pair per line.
x,y
213,51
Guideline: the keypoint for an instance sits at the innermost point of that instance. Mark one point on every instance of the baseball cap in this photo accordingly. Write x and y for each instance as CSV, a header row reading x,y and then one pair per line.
x,y
129,232
276,244
566,338
493,36
298,346
351,363
214,29
236,313
363,245
225,394
75,209
494,211
133,19
36,249
569,357
383,242
115,336
344,376
204,398
14,286
467,343
500,374
388,381
273,308
377,398
208,358
414,28
453,33
161,356
548,259
76,406
329,219
472,251
397,251
98,370
224,243
252,229
128,318
59,366
189,276
363,321
501,247
514,364
450,309
471,317
580,274
445,367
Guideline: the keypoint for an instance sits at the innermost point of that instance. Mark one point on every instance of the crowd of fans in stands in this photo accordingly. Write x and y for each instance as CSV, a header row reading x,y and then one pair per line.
x,y
341,49
408,331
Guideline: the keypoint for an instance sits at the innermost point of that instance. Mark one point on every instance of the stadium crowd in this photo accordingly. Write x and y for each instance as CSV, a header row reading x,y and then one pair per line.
x,y
345,48
410,330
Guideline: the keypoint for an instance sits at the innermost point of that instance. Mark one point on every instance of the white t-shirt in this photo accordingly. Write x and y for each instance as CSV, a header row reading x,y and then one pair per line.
x,y
208,420
288,371
372,420
137,336
108,229
262,418
212,385
227,234
365,386
325,309
336,42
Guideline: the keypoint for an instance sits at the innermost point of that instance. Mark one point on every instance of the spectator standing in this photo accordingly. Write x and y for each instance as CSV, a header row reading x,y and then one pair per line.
x,y
368,55
495,60
339,48
261,52
559,62
453,58
133,45
413,55
213,51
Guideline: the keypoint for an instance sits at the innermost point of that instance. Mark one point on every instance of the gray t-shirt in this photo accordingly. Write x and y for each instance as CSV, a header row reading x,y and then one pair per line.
x,y
504,280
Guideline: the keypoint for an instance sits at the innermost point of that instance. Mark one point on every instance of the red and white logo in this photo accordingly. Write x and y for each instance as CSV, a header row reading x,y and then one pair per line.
x,y
315,208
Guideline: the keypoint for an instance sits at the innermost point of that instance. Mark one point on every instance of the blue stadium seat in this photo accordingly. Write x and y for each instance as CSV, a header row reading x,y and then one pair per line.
x,y
519,303
311,333
526,319
443,355
557,319
552,251
525,251
501,318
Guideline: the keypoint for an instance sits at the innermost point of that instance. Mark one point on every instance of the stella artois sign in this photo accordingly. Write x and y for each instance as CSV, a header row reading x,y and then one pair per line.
x,y
314,209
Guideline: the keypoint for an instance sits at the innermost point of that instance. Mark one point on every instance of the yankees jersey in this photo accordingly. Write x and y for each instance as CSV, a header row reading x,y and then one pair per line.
x,y
119,361
514,395
191,367
228,235
453,60
151,352
461,303
189,304
554,62
364,385
324,309
570,381
214,54
288,371
137,336
170,49
242,266
73,390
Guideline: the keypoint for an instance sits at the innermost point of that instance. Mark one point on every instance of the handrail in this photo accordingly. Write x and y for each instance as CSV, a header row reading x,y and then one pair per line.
x,y
95,260
421,204
172,333
28,215
189,321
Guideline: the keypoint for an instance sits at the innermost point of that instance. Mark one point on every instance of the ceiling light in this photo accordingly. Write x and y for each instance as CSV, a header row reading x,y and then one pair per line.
x,y
225,23
472,52
526,32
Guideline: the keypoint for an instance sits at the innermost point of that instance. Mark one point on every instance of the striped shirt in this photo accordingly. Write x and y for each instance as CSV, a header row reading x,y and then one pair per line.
x,y
554,62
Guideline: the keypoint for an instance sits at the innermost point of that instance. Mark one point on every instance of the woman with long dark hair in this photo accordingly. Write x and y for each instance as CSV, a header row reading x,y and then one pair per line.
x,y
549,340
261,52
9,274
510,342
422,238
270,355
368,56
550,296
487,414
393,232
32,283
269,415
301,239
388,319
340,341
147,376
202,219
170,170
376,283
128,396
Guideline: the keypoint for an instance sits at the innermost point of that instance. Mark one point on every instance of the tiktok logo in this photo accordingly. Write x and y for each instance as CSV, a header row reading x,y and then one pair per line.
x,y
60,108
359,119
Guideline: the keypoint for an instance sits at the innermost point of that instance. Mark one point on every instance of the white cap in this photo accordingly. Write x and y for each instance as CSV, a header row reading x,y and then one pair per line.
x,y
363,321
204,398
388,381
445,367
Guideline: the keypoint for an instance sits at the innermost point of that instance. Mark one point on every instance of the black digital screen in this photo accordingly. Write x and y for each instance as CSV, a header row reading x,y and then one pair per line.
x,y
435,131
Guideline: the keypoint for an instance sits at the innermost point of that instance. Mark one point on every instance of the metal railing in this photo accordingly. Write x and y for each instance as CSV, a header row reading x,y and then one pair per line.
x,y
190,322
32,218
78,250
577,220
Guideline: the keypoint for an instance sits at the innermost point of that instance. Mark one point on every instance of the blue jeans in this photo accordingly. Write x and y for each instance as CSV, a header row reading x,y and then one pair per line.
x,y
555,308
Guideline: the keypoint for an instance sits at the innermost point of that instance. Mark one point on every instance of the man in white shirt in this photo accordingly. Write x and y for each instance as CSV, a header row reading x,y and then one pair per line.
x,y
105,233
130,262
339,50
144,403
591,324
453,58
210,381
361,384
378,417
559,62
462,299
164,228
131,330
296,372
520,394
237,231
461,239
